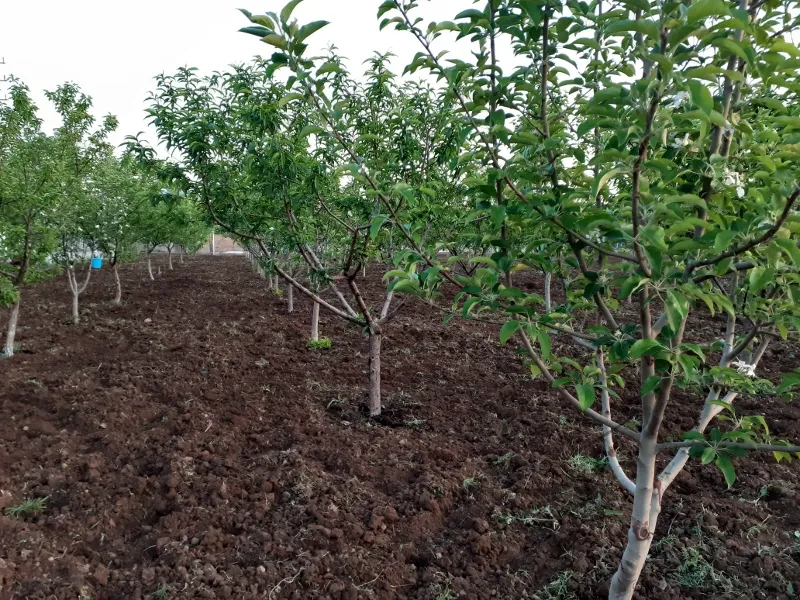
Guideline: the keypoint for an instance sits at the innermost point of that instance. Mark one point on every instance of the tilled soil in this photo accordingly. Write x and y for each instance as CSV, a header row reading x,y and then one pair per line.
x,y
189,445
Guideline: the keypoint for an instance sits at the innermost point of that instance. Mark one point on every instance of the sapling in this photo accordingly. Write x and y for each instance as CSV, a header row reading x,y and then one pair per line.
x,y
698,209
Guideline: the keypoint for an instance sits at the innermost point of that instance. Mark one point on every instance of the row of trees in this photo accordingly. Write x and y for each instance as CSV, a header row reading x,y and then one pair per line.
x,y
646,155
65,196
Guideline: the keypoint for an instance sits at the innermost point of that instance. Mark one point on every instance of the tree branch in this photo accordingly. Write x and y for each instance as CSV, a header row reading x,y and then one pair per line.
x,y
589,413
608,435
741,445
787,209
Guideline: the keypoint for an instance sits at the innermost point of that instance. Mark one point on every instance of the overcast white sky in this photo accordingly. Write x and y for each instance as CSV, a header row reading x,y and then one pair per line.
x,y
113,49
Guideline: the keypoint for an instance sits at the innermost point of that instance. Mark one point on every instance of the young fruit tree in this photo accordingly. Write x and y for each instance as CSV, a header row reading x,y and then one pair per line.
x,y
658,144
30,198
79,149
243,143
114,194
642,149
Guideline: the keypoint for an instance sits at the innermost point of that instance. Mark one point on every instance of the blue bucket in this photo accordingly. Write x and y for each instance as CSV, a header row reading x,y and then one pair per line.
x,y
97,263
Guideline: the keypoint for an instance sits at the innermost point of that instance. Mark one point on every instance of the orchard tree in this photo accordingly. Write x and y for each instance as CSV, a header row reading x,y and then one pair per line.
x,y
654,147
79,150
114,195
275,180
30,197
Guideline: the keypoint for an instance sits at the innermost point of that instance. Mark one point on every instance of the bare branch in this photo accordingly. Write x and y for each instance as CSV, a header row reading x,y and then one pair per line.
x,y
608,435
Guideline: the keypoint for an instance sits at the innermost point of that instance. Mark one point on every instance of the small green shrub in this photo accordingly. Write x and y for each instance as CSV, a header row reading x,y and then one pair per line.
x,y
558,589
320,344
585,465
28,507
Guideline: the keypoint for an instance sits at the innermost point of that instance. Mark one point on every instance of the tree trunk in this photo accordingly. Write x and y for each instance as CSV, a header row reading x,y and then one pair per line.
x,y
169,258
646,508
150,267
11,333
118,297
290,298
181,255
315,323
375,374
76,315
548,302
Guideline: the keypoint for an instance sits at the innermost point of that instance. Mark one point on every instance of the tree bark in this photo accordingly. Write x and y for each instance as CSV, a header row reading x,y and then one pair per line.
x,y
548,302
11,332
290,298
315,323
150,267
77,290
646,508
76,315
375,373
118,297
181,255
169,257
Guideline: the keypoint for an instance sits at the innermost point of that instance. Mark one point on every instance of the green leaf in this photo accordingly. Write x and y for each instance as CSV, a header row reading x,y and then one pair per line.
x,y
256,30
693,436
586,126
759,278
701,97
725,405
677,308
544,343
643,26
601,180
535,370
708,455
308,29
706,8
790,247
585,393
375,226
385,7
288,98
644,347
508,329
329,67
394,273
723,240
310,129
726,466
650,385
470,13
631,284
273,39
287,10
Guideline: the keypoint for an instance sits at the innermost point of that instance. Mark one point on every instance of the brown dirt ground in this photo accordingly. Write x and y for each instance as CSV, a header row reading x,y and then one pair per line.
x,y
190,446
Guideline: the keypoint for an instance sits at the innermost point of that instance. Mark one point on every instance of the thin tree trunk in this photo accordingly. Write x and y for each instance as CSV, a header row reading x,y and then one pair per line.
x,y
11,332
646,508
76,315
77,290
181,255
290,298
150,267
118,297
169,258
315,323
548,303
375,374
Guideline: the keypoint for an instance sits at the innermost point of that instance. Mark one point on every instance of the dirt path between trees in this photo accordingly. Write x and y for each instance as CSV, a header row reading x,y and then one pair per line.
x,y
189,445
